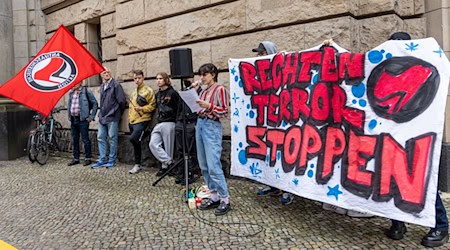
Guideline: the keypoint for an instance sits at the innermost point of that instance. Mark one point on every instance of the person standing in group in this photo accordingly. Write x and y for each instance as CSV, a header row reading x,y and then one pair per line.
x,y
438,235
81,110
268,48
162,139
142,104
214,101
112,104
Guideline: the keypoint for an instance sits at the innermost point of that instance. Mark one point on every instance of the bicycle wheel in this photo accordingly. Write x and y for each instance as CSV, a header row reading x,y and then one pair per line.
x,y
42,149
31,148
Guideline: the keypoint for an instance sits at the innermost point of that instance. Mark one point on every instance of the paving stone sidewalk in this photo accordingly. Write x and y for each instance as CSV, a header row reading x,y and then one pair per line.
x,y
59,207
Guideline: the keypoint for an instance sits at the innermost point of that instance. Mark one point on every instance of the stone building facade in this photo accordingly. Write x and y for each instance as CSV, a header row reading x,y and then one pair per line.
x,y
138,34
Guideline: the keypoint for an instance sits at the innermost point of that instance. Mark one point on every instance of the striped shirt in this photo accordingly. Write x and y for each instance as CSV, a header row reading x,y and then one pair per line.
x,y
218,97
75,105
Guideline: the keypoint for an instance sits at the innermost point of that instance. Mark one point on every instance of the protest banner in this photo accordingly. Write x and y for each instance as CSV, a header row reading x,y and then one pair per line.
x,y
362,131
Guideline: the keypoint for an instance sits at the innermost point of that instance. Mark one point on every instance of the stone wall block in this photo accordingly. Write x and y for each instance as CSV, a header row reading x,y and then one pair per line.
x,y
159,8
108,25
109,49
263,13
80,32
339,29
416,27
79,12
215,21
126,65
130,13
374,31
141,37
419,6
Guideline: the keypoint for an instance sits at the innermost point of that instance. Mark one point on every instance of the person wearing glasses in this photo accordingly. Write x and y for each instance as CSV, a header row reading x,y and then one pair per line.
x,y
142,104
214,101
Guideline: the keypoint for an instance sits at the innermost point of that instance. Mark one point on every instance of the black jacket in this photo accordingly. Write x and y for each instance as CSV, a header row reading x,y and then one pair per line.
x,y
112,102
167,102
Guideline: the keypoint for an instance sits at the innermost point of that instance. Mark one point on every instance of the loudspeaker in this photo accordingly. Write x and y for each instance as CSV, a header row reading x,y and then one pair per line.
x,y
181,63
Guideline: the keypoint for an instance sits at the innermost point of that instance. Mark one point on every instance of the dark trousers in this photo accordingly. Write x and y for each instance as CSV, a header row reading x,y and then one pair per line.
x,y
137,131
78,127
191,148
441,215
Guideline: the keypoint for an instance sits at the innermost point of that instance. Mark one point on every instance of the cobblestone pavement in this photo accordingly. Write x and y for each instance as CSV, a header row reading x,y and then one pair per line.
x,y
60,207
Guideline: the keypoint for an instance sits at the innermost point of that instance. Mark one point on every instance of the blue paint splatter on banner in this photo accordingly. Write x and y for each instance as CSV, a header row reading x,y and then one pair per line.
x,y
359,90
439,51
388,55
312,165
283,124
254,169
375,56
240,83
362,103
295,181
412,46
251,114
241,155
334,191
315,78
278,155
354,101
372,124
310,173
236,128
233,70
235,98
277,173
236,78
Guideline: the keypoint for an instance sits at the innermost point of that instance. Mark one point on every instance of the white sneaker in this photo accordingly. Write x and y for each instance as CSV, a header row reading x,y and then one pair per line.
x,y
356,214
334,208
136,168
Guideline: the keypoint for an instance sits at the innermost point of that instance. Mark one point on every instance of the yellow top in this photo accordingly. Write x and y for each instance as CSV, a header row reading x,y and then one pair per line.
x,y
146,113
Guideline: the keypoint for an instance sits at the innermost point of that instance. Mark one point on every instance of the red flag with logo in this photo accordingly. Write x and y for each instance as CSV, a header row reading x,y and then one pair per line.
x,y
62,63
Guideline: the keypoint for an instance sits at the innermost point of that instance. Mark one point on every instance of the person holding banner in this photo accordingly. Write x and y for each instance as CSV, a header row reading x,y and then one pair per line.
x,y
142,104
214,101
268,48
163,134
438,235
112,104
81,110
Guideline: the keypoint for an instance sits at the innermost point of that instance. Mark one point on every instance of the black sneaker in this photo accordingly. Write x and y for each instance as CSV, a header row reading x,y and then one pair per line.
x,y
73,162
435,238
396,231
223,209
87,163
209,204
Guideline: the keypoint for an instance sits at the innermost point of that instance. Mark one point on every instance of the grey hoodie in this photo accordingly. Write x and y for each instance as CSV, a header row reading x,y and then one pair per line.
x,y
271,48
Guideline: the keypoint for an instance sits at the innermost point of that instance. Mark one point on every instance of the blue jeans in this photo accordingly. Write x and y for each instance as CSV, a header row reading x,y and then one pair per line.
x,y
208,136
109,130
441,215
78,127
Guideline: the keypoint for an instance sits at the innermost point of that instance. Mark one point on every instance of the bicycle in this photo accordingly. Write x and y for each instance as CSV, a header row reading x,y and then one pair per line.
x,y
44,137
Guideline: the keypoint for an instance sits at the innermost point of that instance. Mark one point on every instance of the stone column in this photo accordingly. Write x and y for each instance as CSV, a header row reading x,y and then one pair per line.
x,y
6,41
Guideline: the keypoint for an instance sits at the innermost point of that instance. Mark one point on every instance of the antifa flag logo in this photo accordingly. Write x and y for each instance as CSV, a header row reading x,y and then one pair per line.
x,y
51,71
401,88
